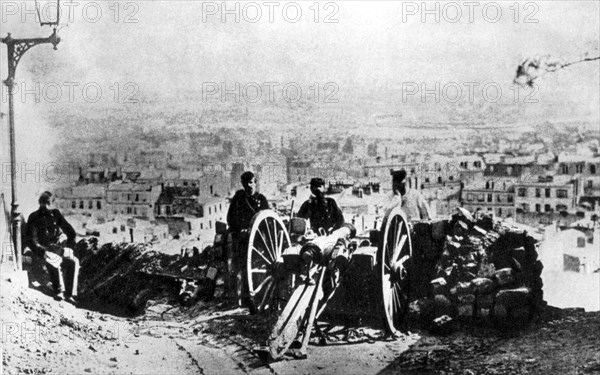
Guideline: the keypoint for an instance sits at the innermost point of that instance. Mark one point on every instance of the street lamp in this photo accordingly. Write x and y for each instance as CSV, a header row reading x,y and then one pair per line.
x,y
16,48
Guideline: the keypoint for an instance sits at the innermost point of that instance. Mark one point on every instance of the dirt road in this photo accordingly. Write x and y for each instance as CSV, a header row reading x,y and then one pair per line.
x,y
42,336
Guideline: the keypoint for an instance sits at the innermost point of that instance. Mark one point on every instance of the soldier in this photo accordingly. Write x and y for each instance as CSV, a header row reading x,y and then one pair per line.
x,y
244,205
411,201
44,229
321,211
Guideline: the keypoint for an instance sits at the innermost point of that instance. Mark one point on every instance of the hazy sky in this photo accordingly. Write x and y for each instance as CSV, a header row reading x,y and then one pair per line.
x,y
174,44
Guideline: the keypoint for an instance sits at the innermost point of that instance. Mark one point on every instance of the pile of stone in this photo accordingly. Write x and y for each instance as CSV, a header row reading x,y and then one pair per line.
x,y
130,274
474,271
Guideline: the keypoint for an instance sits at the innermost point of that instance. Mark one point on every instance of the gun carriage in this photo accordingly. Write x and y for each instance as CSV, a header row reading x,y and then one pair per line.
x,y
294,273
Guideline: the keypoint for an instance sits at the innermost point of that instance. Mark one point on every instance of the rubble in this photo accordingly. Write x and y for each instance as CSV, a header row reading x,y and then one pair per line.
x,y
130,274
475,271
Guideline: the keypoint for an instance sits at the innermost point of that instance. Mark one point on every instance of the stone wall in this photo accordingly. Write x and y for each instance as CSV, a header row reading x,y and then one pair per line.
x,y
474,271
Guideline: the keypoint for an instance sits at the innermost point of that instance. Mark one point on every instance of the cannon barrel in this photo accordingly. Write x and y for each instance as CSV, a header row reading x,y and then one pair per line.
x,y
326,248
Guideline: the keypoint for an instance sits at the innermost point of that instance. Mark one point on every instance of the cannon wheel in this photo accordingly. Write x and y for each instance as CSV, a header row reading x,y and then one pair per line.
x,y
393,259
268,281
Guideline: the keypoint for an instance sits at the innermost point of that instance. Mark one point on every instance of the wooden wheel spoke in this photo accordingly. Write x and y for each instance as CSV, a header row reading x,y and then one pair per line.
x,y
261,255
262,236
261,285
280,243
273,247
400,246
264,300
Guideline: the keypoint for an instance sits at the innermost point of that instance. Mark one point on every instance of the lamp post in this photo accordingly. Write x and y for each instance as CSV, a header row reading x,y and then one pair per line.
x,y
16,48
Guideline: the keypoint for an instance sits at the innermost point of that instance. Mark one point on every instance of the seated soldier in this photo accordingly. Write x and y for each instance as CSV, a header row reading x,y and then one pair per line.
x,y
44,229
321,211
244,205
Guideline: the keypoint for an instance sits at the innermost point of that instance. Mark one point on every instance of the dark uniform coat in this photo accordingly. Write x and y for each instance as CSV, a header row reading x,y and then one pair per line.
x,y
242,208
323,213
44,228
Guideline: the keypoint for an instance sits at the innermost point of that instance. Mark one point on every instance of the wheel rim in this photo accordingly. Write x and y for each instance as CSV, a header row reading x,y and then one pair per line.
x,y
394,256
266,275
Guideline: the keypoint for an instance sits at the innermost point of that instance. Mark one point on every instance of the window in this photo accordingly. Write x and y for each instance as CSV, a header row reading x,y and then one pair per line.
x,y
510,198
565,169
538,208
522,192
547,208
590,184
579,168
220,207
99,205
480,198
469,197
128,197
489,198
439,180
525,207
548,191
122,228
562,193
81,205
499,212
592,169
90,205
477,164
137,197
538,193
128,210
135,210
209,211
500,198
74,204
427,180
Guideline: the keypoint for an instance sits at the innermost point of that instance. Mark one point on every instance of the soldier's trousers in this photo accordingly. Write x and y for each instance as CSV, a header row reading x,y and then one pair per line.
x,y
70,268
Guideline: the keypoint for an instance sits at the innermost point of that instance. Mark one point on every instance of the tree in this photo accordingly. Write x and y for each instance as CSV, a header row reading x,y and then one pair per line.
x,y
534,68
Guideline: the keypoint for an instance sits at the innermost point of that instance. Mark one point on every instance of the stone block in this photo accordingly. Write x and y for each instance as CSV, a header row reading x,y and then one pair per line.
x,y
464,287
514,297
467,299
505,276
465,311
438,230
482,285
440,286
485,301
443,306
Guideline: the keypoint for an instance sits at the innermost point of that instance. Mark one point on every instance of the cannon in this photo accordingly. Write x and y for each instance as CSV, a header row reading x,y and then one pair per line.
x,y
294,273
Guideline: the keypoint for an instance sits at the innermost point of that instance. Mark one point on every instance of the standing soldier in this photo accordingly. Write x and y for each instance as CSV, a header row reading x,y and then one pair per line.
x,y
244,205
44,229
412,202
